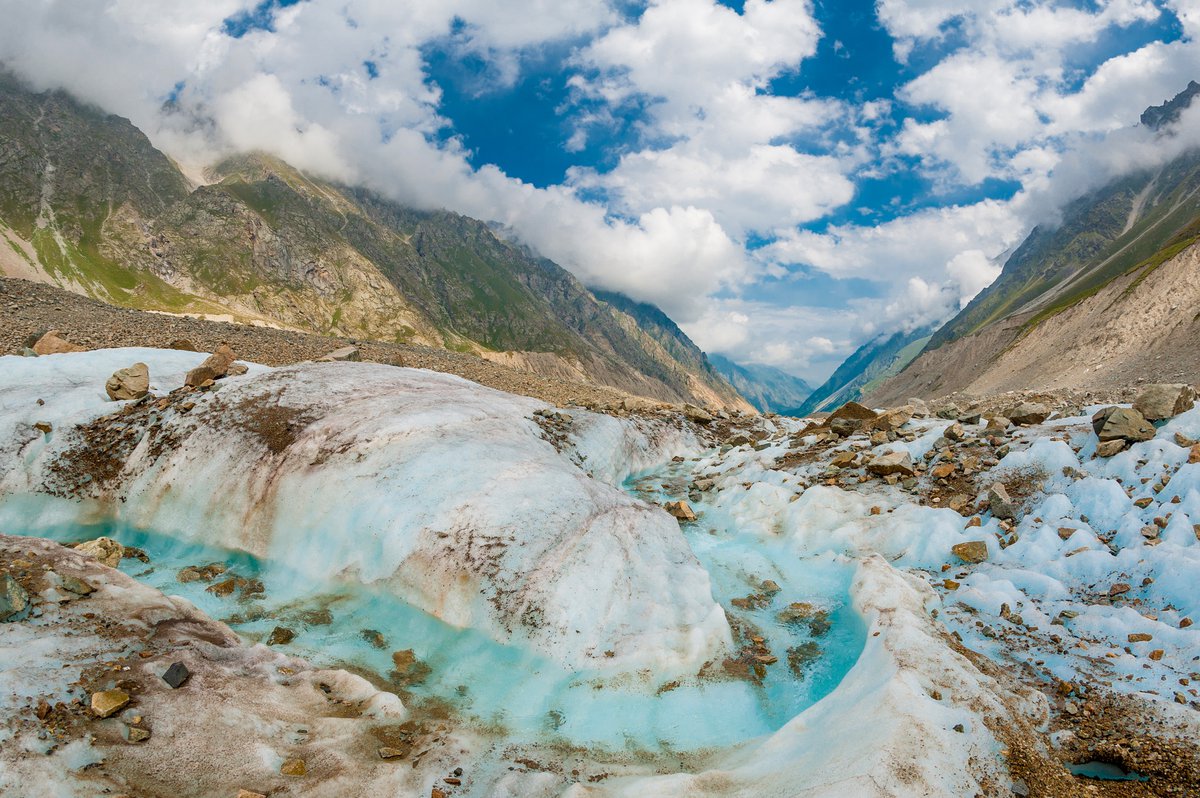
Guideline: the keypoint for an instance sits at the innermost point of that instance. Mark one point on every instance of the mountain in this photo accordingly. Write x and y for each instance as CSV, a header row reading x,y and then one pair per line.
x,y
871,364
769,389
88,203
1107,245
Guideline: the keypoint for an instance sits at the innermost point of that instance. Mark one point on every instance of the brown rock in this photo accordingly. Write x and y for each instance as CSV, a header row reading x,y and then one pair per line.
x,y
107,703
972,551
106,550
214,367
280,635
128,383
681,510
1028,413
293,767
1110,448
183,345
248,794
1157,654
892,463
1140,637
1159,402
942,471
1124,423
53,344
1001,503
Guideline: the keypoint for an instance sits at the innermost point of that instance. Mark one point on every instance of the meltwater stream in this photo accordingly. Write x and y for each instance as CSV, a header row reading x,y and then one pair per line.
x,y
518,694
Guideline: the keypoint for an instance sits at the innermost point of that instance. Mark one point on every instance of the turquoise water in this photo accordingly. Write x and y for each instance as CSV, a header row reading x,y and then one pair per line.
x,y
515,691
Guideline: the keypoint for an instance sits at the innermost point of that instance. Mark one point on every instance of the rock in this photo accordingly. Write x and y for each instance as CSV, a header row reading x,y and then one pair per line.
x,y
1121,423
293,767
13,598
1184,441
1140,637
107,703
853,410
1028,413
681,510
704,484
1157,654
375,638
53,344
955,432
892,463
237,370
248,794
845,427
844,459
997,424
108,551
1110,448
214,367
346,353
919,408
1194,454
183,345
43,427
1001,503
892,419
73,584
697,414
177,675
942,471
1163,401
280,635
128,383
387,752
973,551
879,438
200,573
138,735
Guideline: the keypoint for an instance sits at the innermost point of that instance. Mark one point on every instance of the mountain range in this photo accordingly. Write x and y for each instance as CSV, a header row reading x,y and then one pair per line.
x,y
88,203
769,389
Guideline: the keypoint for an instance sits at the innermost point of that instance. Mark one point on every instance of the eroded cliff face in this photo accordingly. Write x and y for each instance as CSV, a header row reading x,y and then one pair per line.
x,y
88,204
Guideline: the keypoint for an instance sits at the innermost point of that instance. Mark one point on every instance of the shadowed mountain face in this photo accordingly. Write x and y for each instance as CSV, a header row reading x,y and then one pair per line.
x,y
1119,234
88,203
869,366
767,388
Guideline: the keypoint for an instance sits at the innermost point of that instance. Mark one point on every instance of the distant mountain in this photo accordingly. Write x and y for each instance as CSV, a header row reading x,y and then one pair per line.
x,y
868,367
1119,234
769,389
88,203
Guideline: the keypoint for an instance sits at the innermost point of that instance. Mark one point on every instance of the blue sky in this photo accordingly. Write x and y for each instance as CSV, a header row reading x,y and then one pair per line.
x,y
786,178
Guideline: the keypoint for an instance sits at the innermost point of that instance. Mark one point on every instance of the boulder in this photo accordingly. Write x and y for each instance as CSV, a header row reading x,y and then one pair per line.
x,y
108,551
280,635
177,675
51,343
1121,423
697,414
107,703
1028,413
919,408
973,551
132,382
997,424
1001,503
845,427
13,598
214,367
852,410
681,510
1163,401
892,463
955,432
183,345
893,419
1110,448
346,353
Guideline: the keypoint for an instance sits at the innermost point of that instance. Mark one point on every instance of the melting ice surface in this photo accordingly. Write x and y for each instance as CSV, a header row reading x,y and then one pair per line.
x,y
516,691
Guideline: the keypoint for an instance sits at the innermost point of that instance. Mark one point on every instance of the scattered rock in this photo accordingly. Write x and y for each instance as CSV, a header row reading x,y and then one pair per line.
x,y
107,703
13,598
73,584
1110,448
1124,423
1028,413
53,344
138,734
845,427
43,427
280,635
697,414
681,510
375,638
214,367
387,752
346,353
293,767
132,382
1001,503
108,551
177,675
200,573
237,370
893,419
972,551
955,432
1140,637
248,794
892,463
943,471
853,410
183,345
1162,401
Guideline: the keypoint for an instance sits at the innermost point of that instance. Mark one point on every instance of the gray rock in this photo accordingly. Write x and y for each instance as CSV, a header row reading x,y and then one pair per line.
x,y
1163,401
1001,503
1028,413
697,414
346,353
13,598
177,675
892,463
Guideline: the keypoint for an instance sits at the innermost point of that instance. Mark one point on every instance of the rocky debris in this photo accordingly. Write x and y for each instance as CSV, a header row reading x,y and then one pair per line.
x,y
177,675
200,573
293,767
73,584
852,410
697,414
387,752
43,427
681,510
1001,503
808,614
919,408
51,343
1194,454
892,463
13,598
955,432
237,370
845,427
345,353
214,367
1028,413
107,703
249,794
893,419
137,734
280,635
1110,448
227,587
106,550
972,551
183,345
132,382
1163,401
1121,423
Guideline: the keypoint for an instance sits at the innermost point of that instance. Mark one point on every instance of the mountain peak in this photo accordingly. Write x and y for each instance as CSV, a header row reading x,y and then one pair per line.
x,y
1156,117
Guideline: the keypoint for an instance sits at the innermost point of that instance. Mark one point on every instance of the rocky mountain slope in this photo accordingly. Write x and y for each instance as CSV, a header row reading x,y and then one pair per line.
x,y
1116,249
871,364
769,389
87,203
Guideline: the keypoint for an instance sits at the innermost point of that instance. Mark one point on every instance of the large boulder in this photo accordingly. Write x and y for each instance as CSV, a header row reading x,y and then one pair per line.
x,y
1028,413
892,463
51,343
1121,423
1163,401
128,383
214,367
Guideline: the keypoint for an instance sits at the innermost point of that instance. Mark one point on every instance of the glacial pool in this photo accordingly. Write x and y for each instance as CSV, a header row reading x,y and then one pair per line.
x,y
516,693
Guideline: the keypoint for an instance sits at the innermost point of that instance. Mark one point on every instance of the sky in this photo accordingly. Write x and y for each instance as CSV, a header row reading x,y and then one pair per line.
x,y
786,178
